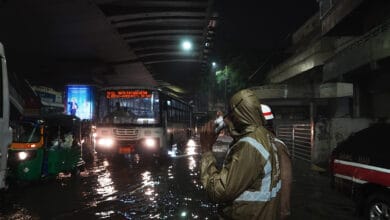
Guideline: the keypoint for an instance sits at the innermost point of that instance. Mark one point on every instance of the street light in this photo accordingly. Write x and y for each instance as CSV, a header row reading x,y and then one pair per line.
x,y
214,64
186,45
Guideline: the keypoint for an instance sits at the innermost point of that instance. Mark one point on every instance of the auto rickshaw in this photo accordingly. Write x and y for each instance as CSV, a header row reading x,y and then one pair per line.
x,y
44,147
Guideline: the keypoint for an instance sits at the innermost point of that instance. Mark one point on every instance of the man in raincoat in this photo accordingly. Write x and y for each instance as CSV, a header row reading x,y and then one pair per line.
x,y
248,184
285,164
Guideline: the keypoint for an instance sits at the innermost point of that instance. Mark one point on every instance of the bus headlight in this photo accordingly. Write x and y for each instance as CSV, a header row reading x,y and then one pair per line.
x,y
105,142
150,143
22,155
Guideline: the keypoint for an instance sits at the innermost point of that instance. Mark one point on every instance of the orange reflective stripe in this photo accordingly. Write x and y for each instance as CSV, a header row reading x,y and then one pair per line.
x,y
27,145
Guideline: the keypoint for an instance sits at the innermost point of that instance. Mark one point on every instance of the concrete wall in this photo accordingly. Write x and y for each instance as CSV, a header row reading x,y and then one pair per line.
x,y
308,30
337,12
381,105
371,47
328,133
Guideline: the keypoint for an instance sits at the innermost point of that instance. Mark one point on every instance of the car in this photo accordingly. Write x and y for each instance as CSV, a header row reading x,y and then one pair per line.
x,y
360,168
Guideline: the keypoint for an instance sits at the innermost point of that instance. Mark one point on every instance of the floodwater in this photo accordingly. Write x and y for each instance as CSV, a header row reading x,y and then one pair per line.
x,y
131,188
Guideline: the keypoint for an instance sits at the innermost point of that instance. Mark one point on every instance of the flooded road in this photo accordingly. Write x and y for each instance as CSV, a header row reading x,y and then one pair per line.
x,y
120,188
131,188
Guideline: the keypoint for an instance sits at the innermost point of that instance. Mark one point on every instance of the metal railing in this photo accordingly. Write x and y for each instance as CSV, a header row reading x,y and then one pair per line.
x,y
298,138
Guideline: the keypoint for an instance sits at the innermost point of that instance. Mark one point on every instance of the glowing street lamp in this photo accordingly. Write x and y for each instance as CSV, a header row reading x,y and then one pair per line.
x,y
186,45
214,64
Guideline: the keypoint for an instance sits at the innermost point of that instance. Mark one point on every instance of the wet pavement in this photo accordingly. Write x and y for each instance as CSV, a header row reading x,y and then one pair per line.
x,y
133,188
313,198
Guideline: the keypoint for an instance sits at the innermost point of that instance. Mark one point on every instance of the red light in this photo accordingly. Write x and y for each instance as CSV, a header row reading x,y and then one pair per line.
x,y
113,94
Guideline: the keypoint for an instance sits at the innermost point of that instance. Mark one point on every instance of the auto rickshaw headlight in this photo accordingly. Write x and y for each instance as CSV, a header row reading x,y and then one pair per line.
x,y
106,142
22,155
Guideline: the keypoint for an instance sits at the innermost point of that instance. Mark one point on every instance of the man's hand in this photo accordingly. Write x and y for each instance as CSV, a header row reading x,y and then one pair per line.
x,y
208,137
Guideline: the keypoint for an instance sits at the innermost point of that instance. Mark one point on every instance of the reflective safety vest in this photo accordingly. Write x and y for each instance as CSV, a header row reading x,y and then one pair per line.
x,y
266,193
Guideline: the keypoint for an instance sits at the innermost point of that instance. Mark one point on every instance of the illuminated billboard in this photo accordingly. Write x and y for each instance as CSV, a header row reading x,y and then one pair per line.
x,y
80,101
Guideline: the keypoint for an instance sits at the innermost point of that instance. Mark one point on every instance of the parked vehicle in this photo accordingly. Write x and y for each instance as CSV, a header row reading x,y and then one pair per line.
x,y
5,132
44,147
360,167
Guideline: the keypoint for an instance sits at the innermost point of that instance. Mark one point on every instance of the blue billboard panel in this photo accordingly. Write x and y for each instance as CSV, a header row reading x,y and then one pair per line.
x,y
80,101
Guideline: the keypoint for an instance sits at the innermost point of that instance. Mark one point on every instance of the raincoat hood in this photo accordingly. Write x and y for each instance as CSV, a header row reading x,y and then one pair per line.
x,y
245,111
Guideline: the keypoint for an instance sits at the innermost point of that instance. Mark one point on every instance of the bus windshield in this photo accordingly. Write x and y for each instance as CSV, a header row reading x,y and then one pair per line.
x,y
130,107
26,133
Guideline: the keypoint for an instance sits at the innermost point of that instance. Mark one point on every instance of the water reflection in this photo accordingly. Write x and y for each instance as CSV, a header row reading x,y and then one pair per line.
x,y
194,172
140,201
170,174
149,185
105,186
191,163
104,215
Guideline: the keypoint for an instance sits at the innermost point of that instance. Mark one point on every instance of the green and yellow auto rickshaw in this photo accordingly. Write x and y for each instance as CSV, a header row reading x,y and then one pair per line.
x,y
44,147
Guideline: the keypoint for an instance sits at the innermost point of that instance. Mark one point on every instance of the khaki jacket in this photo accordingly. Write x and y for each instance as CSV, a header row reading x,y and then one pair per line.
x,y
286,177
249,182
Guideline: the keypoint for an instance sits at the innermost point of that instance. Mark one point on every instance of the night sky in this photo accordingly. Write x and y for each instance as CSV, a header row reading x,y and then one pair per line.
x,y
259,25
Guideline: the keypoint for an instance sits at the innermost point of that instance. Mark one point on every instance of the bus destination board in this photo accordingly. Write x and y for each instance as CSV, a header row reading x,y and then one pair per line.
x,y
115,94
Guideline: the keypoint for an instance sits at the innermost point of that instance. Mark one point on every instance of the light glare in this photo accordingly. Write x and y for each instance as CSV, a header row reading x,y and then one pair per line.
x,y
106,142
150,142
186,45
22,155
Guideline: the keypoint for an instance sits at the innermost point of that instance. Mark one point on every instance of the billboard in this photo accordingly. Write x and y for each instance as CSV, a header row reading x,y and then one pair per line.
x,y
80,101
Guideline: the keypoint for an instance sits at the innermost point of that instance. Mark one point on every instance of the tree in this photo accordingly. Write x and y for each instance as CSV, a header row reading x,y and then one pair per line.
x,y
234,75
239,65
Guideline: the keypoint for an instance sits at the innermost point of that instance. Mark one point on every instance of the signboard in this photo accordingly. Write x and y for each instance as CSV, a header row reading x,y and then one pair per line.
x,y
48,95
115,94
80,101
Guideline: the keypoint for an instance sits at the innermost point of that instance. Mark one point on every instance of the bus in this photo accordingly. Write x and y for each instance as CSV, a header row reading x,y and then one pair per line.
x,y
5,130
146,121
